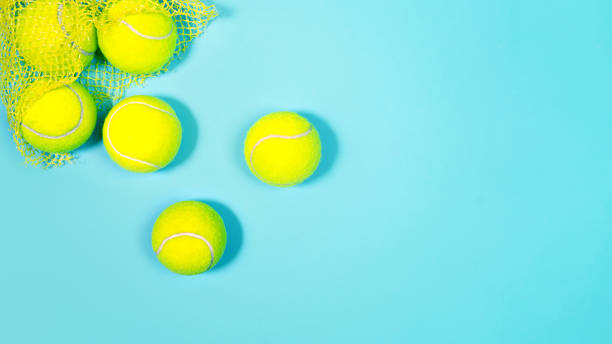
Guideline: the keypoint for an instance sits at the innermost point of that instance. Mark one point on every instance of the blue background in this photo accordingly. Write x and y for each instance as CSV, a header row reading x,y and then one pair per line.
x,y
464,197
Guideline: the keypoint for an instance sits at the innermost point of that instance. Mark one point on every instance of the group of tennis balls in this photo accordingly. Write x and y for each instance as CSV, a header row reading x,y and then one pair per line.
x,y
143,133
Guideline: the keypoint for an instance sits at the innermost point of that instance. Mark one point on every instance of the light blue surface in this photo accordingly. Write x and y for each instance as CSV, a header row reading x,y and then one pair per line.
x,y
465,194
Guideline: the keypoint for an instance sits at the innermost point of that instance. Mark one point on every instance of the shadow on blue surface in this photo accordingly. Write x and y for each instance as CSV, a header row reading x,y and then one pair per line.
x,y
329,144
235,235
96,136
224,11
190,131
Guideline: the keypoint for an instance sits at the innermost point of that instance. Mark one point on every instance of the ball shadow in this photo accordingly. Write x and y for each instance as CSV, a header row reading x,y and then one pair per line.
x,y
235,234
177,60
190,131
96,136
329,146
224,11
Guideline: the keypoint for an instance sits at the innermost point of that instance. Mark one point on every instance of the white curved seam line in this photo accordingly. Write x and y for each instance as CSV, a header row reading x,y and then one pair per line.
x,y
68,133
147,36
193,235
274,137
111,141
60,9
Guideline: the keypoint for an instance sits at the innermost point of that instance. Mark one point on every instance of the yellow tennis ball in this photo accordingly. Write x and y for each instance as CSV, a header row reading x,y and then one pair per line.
x,y
56,36
61,120
138,36
142,134
282,149
189,237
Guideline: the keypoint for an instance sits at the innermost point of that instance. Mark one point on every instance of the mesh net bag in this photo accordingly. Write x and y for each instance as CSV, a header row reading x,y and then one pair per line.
x,y
45,44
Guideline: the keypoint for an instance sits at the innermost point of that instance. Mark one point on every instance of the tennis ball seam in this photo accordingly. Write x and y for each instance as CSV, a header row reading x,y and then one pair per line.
x,y
69,132
138,33
193,235
60,10
110,141
274,136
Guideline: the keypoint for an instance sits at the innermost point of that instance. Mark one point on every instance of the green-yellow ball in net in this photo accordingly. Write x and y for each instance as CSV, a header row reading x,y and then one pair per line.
x,y
189,237
137,36
56,37
282,149
142,134
60,120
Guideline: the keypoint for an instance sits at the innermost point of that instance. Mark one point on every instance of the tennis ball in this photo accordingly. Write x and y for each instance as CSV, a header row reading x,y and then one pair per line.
x,y
189,237
138,36
56,36
282,149
142,134
61,120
